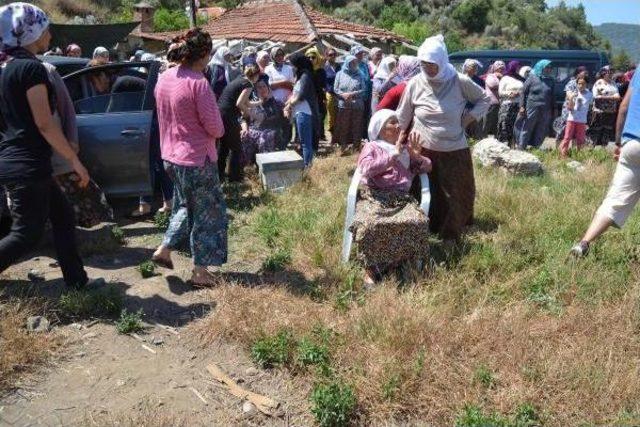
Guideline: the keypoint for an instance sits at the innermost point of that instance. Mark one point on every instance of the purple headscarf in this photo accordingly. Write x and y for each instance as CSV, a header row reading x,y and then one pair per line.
x,y
408,67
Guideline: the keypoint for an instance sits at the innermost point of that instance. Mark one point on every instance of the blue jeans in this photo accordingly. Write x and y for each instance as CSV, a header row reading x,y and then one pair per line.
x,y
304,127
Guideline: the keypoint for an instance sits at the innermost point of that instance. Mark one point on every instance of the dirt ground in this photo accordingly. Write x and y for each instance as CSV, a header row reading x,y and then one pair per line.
x,y
103,378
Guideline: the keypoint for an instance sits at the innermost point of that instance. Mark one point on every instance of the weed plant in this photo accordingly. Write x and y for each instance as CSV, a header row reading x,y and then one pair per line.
x,y
129,323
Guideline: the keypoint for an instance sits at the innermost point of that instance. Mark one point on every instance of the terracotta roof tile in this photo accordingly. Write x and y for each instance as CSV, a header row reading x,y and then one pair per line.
x,y
283,21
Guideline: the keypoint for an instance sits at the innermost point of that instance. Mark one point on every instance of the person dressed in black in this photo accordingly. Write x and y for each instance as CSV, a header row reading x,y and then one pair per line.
x,y
320,82
234,103
28,131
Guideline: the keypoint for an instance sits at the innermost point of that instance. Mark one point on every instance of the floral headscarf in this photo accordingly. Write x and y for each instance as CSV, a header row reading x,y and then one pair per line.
x,y
21,24
408,67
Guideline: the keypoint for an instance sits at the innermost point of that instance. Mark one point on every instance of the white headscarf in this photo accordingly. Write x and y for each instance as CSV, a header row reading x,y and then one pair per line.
x,y
470,63
378,120
434,50
100,51
384,69
21,24
218,59
524,71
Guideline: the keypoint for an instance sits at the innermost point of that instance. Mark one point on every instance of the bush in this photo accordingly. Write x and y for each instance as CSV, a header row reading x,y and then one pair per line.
x,y
415,31
398,12
129,322
333,404
118,235
173,20
269,351
147,269
472,15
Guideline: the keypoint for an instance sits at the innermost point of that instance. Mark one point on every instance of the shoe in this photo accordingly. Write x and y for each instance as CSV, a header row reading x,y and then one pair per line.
x,y
580,250
166,263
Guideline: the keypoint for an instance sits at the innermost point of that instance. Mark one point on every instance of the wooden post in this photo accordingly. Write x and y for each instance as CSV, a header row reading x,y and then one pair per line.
x,y
193,14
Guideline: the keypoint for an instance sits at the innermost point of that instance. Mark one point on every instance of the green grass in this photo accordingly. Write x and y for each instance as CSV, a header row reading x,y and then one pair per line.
x,y
130,322
484,376
161,220
117,234
101,302
278,260
270,351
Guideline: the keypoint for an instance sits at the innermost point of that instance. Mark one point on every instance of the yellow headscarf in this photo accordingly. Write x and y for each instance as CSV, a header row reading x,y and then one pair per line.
x,y
316,57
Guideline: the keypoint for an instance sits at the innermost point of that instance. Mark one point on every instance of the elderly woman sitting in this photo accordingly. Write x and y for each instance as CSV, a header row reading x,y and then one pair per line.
x,y
389,227
261,127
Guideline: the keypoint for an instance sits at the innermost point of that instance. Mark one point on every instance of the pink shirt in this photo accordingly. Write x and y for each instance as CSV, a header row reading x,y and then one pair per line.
x,y
383,171
188,116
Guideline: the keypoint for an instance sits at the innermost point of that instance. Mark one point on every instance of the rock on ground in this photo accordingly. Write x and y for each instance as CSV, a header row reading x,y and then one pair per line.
x,y
38,324
576,166
492,153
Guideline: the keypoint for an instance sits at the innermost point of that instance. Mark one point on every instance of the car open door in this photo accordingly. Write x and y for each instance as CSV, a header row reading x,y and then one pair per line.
x,y
114,108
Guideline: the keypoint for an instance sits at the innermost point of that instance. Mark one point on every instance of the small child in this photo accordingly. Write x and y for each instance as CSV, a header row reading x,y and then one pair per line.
x,y
578,105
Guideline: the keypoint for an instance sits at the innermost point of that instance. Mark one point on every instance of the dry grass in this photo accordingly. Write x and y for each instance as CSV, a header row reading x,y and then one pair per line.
x,y
558,335
21,351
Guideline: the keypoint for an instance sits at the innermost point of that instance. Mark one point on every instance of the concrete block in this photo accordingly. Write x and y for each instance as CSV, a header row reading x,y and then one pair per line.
x,y
279,170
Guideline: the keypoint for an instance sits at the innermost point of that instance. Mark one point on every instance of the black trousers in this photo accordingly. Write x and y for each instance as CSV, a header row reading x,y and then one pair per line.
x,y
32,203
230,150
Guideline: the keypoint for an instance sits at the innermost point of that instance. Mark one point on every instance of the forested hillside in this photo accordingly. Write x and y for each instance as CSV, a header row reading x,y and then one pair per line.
x,y
622,37
465,23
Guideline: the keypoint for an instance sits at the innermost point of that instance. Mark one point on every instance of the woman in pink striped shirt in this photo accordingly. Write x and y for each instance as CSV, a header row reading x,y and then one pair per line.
x,y
190,124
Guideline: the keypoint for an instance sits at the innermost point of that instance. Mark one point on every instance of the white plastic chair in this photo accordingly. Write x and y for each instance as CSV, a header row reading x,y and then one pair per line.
x,y
352,195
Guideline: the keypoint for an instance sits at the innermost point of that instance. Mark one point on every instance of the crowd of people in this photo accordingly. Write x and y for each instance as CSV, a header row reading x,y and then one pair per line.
x,y
215,112
522,110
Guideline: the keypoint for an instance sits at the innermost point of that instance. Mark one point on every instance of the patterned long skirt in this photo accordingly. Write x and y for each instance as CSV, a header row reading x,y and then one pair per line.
x,y
89,204
453,192
348,128
199,214
389,229
506,118
602,127
257,141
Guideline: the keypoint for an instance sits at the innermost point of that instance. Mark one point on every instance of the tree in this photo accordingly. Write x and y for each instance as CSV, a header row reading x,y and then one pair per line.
x,y
472,15
621,61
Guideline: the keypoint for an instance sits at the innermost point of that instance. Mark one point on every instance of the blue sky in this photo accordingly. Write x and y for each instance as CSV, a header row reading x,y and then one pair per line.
x,y
600,11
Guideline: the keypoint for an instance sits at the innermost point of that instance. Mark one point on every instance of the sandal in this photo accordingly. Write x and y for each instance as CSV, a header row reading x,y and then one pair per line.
x,y
213,281
162,262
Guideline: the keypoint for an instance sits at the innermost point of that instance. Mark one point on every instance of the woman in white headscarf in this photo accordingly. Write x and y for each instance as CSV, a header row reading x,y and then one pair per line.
x,y
389,226
101,55
434,102
220,70
384,72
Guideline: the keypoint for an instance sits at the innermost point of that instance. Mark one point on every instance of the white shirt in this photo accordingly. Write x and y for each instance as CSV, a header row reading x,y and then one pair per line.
x,y
578,113
285,74
302,106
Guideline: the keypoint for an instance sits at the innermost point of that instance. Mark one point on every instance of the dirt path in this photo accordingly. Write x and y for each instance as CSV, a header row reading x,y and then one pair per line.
x,y
105,378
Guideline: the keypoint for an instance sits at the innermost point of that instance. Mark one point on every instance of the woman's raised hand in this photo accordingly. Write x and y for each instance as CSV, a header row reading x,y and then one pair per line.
x,y
414,142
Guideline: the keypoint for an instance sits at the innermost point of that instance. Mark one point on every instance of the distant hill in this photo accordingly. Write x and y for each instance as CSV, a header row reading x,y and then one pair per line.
x,y
622,36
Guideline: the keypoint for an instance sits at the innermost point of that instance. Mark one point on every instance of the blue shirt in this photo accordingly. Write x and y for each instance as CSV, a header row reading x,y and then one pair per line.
x,y
632,124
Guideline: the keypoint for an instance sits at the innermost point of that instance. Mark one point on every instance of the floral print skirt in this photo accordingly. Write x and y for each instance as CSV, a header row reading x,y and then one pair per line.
x,y
257,141
389,229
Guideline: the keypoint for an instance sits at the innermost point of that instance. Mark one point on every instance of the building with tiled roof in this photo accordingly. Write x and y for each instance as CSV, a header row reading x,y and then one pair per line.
x,y
284,21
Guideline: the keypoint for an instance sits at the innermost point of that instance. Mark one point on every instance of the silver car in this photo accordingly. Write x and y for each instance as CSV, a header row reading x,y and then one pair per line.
x,y
115,106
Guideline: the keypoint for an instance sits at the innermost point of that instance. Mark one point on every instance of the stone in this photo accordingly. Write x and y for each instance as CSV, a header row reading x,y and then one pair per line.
x,y
279,170
89,335
157,340
249,409
251,372
54,264
38,324
576,166
492,153
35,275
76,326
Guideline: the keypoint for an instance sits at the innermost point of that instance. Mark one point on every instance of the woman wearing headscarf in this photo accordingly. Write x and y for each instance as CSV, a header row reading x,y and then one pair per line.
x,y
524,72
261,126
536,106
281,80
101,55
331,68
491,88
190,124
435,103
320,82
389,226
28,132
360,53
605,107
302,106
560,123
73,51
375,59
509,90
350,89
384,73
219,70
408,67
470,67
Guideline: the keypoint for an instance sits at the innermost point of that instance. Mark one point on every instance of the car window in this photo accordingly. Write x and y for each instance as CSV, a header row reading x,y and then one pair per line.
x,y
108,90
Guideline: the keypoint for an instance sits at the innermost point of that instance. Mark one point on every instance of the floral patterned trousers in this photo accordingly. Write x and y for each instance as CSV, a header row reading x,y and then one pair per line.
x,y
199,213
